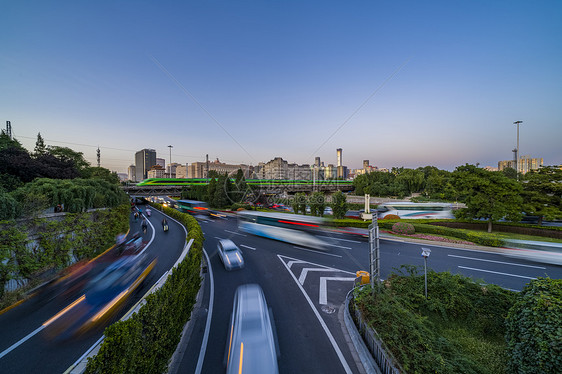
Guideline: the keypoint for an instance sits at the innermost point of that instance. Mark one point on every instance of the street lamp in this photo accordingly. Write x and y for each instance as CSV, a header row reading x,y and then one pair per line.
x,y
425,254
170,146
517,153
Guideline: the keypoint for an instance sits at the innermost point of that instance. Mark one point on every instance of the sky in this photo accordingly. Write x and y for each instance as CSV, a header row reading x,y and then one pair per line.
x,y
398,83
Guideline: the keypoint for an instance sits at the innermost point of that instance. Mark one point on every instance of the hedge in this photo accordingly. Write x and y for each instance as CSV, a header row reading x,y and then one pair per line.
x,y
145,342
534,328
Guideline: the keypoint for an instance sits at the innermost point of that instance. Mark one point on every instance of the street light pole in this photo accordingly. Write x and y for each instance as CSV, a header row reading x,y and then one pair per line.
x,y
170,146
517,153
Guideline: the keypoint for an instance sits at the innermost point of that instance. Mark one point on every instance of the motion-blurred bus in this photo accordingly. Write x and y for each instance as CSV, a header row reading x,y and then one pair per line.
x,y
291,228
416,210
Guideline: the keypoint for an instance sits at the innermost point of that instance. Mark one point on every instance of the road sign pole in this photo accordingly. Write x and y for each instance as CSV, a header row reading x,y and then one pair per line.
x,y
374,252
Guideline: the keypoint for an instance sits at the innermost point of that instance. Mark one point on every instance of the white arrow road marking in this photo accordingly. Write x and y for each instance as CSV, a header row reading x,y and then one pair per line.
x,y
290,263
305,271
323,298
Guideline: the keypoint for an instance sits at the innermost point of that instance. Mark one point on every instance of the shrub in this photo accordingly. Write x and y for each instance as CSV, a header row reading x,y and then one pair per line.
x,y
391,216
534,332
403,228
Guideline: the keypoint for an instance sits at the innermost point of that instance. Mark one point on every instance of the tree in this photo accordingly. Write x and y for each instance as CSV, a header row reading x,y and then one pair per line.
x,y
6,142
40,148
67,154
100,173
317,204
299,203
542,193
8,206
488,195
339,205
511,173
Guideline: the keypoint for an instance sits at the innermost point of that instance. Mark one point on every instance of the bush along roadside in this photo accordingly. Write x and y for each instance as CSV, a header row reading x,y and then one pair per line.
x,y
534,328
145,342
459,328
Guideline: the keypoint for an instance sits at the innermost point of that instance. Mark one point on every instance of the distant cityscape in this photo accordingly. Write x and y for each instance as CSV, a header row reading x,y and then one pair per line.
x,y
148,165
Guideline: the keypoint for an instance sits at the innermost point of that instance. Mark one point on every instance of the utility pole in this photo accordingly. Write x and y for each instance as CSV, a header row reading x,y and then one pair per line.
x,y
517,153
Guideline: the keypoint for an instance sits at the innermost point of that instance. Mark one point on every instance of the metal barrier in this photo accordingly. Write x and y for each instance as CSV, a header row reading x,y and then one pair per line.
x,y
383,358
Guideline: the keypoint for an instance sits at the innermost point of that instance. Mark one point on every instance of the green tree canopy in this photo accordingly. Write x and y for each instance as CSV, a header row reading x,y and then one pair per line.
x,y
542,192
40,148
339,205
100,173
488,195
67,154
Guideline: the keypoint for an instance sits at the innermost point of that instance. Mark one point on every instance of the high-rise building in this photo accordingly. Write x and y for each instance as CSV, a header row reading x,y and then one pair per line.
x,y
161,162
181,171
317,161
144,160
131,173
339,153
526,164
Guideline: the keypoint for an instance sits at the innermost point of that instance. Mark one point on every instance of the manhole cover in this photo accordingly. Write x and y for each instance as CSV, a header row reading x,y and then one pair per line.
x,y
328,309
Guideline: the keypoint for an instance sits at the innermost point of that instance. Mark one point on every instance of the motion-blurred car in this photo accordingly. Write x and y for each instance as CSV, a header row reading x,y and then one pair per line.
x,y
102,296
252,344
230,254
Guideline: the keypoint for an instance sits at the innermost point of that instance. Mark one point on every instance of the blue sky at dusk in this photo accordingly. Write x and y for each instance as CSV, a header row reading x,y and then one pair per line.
x,y
408,83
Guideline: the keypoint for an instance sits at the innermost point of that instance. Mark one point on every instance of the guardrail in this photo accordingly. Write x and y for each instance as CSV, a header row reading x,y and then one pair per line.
x,y
80,365
386,363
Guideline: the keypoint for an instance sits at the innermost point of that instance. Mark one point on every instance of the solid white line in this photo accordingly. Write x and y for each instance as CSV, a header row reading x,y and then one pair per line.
x,y
497,272
343,240
247,246
323,298
318,252
235,233
322,323
209,317
499,262
27,337
337,246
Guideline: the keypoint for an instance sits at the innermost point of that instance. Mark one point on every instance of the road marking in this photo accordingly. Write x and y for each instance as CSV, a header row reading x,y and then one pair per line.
x,y
235,233
27,337
322,323
304,273
247,246
209,317
496,272
290,263
498,262
323,298
343,240
337,246
318,252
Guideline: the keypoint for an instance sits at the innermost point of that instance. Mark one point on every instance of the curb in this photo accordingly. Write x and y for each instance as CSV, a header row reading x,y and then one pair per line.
x,y
365,356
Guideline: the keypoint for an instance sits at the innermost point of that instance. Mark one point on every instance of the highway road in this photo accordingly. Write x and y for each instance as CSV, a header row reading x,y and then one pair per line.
x,y
25,346
306,290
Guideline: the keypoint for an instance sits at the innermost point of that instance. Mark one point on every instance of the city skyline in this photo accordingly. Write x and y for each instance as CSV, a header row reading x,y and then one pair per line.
x,y
402,84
